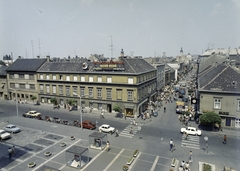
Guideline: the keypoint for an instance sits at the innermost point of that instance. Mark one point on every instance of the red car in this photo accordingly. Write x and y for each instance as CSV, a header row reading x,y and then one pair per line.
x,y
88,124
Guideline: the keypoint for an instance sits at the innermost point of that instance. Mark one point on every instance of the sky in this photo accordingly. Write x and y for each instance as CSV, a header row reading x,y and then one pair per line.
x,y
147,28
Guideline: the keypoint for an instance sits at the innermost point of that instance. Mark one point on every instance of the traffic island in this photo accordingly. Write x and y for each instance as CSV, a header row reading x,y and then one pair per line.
x,y
206,167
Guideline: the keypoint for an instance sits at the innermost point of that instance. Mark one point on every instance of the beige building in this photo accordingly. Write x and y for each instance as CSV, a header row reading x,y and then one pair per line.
x,y
129,83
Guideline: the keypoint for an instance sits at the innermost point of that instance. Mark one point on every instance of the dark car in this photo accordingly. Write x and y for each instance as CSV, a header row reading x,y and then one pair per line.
x,y
185,99
155,114
88,125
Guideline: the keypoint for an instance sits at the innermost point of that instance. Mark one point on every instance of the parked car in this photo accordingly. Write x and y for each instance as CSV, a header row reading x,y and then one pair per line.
x,y
107,128
32,114
155,114
4,135
88,124
11,128
191,131
185,99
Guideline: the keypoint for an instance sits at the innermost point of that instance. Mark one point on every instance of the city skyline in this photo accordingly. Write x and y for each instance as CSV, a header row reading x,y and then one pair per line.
x,y
141,28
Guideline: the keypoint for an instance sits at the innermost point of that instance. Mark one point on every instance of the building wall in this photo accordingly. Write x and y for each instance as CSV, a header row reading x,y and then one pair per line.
x,y
229,103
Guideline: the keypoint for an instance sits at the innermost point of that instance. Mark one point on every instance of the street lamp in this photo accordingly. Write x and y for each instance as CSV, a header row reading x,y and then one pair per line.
x,y
15,99
80,97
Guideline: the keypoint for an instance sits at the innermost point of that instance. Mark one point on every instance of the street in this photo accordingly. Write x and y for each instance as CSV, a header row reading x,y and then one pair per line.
x,y
152,140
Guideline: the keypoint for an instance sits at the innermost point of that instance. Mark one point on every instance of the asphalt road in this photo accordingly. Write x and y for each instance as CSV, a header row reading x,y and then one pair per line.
x,y
152,140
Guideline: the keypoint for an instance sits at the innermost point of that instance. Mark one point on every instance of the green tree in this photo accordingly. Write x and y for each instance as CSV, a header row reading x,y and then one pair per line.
x,y
117,109
71,102
210,118
53,101
33,98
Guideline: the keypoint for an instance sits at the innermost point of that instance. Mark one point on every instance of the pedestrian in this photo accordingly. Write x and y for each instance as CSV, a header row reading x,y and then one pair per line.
x,y
180,168
186,135
225,139
116,133
10,152
190,159
13,150
164,109
107,146
183,163
186,166
171,145
131,131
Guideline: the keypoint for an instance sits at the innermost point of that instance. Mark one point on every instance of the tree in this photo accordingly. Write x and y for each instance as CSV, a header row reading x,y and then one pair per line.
x,y
33,98
210,118
71,102
117,109
53,101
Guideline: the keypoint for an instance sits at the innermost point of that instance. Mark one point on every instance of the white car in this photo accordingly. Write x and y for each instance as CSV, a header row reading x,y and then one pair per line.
x,y
11,128
107,128
31,114
191,131
4,135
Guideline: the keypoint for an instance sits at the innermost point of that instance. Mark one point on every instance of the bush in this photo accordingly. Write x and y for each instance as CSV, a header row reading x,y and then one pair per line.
x,y
207,167
135,153
125,168
117,109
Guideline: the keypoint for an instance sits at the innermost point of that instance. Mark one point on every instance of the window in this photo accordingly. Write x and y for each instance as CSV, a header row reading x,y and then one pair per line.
x,y
90,78
41,88
68,78
130,80
32,86
217,104
99,79
130,95
41,77
54,77
119,94
26,76
109,93
109,79
67,91
47,89
82,78
54,90
31,76
22,86
16,85
82,91
27,86
237,123
21,76
74,78
74,90
99,93
61,77
90,91
60,89
47,77
16,76
238,103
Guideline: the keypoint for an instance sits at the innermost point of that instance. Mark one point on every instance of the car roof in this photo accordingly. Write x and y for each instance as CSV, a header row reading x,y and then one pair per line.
x,y
32,111
1,130
192,128
10,125
105,125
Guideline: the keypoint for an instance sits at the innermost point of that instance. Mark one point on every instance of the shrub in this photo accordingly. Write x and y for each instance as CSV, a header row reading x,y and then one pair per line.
x,y
207,167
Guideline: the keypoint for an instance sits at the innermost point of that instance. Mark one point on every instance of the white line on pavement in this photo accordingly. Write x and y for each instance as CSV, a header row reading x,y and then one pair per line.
x,y
56,155
154,163
110,164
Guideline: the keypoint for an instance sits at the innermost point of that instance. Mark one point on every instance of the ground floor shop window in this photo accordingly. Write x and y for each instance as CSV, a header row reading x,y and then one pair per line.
x,y
237,123
129,112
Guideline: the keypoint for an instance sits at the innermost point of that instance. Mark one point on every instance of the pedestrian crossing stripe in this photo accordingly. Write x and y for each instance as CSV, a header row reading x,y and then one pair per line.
x,y
191,141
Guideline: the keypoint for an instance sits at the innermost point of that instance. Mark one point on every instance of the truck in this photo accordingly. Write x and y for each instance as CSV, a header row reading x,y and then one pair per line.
x,y
180,107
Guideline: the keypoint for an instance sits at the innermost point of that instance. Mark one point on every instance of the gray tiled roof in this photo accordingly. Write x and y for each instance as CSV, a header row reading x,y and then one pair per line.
x,y
131,65
2,70
26,64
222,77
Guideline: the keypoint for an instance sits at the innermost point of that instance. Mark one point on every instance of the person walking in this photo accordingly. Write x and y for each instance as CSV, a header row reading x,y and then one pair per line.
x,y
190,158
107,146
171,145
9,152
225,139
164,109
116,133
13,150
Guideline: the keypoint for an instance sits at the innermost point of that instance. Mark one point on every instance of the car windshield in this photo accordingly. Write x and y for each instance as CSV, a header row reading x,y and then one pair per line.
x,y
2,132
12,126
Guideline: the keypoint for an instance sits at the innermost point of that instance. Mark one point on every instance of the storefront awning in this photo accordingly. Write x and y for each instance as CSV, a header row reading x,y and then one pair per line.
x,y
129,106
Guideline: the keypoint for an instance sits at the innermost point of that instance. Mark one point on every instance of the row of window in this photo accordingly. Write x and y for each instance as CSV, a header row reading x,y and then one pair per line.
x,y
217,104
82,91
22,86
82,78
22,76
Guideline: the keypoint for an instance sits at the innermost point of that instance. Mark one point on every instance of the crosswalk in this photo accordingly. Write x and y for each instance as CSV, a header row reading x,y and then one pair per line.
x,y
126,131
190,142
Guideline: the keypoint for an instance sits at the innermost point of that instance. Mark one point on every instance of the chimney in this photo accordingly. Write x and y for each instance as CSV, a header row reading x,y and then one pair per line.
x,y
19,57
38,57
48,58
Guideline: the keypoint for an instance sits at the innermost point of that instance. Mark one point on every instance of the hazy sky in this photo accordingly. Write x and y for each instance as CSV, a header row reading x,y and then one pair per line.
x,y
141,27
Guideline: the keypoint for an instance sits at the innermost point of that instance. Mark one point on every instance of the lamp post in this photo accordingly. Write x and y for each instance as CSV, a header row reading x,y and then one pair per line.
x,y
80,97
16,99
